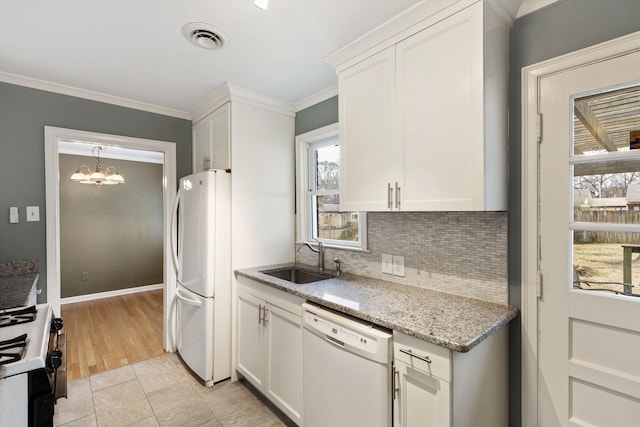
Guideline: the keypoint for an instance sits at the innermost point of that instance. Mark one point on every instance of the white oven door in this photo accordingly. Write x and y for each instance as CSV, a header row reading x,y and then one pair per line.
x,y
194,332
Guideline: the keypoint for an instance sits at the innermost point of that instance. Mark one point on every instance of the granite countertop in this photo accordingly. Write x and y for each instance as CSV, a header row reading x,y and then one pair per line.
x,y
451,321
17,291
17,282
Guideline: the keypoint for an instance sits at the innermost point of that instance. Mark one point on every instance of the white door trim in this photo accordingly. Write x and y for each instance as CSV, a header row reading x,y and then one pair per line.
x,y
51,149
529,203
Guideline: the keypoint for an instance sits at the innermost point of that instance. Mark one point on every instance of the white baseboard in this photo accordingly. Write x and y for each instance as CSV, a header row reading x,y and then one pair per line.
x,y
108,294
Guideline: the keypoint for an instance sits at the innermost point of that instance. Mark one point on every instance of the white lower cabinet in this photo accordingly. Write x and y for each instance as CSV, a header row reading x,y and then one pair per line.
x,y
437,387
269,344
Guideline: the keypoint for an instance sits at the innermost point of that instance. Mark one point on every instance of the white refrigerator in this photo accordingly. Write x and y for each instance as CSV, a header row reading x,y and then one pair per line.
x,y
202,259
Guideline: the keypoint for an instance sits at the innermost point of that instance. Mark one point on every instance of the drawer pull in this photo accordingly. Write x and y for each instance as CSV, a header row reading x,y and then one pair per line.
x,y
410,353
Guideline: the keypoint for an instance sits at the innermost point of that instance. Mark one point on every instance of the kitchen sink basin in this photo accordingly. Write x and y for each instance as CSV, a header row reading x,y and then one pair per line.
x,y
297,275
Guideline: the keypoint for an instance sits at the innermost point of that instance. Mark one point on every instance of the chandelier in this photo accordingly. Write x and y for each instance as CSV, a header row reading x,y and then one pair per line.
x,y
98,176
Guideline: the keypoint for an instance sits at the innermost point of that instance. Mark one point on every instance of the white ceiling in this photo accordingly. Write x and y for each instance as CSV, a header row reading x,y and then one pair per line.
x,y
135,49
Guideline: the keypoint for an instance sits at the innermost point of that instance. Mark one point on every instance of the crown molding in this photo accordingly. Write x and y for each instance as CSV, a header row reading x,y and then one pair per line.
x,y
416,18
391,31
231,92
90,95
82,148
317,97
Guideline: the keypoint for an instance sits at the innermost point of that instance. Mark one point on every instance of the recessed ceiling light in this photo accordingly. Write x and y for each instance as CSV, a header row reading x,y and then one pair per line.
x,y
262,4
204,35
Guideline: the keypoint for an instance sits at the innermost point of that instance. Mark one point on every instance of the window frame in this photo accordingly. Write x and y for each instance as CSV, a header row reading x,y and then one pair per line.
x,y
305,209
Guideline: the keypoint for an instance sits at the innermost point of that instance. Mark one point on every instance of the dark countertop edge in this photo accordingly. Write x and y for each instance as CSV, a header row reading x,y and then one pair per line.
x,y
254,273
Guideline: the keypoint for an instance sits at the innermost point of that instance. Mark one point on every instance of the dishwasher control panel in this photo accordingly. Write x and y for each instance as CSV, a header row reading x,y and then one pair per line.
x,y
345,332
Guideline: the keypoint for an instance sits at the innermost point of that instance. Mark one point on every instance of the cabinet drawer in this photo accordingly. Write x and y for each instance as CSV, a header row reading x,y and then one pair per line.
x,y
423,356
282,299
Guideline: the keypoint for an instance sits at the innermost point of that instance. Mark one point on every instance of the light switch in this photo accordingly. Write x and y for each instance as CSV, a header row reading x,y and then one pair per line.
x,y
387,264
13,215
398,266
33,213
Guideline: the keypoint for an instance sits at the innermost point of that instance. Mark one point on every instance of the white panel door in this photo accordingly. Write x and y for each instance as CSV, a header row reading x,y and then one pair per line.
x,y
221,138
202,136
589,322
284,361
251,339
421,400
195,332
440,100
368,150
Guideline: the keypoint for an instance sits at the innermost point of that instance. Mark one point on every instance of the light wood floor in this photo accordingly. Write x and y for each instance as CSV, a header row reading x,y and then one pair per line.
x,y
112,332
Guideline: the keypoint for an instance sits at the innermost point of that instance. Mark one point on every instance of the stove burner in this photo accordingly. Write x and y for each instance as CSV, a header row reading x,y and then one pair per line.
x,y
17,316
18,343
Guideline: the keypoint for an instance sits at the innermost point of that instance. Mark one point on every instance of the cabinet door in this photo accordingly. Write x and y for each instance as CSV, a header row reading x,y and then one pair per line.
x,y
367,149
284,358
202,135
212,141
421,400
440,105
251,339
221,137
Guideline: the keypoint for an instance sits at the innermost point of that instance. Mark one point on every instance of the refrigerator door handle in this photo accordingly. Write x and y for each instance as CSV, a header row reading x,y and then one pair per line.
x,y
181,297
174,231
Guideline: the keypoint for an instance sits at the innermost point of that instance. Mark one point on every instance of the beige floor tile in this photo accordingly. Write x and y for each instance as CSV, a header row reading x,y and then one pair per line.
x,y
88,421
234,405
179,405
121,405
213,423
77,405
158,373
147,422
112,377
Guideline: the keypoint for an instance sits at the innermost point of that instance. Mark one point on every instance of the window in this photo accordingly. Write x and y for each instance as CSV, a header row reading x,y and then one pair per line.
x,y
318,180
606,168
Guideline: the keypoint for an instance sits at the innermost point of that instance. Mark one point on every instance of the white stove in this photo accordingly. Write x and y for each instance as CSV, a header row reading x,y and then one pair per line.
x,y
35,352
32,371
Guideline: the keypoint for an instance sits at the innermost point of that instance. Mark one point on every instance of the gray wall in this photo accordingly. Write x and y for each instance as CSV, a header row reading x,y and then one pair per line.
x,y
559,28
114,233
23,114
321,114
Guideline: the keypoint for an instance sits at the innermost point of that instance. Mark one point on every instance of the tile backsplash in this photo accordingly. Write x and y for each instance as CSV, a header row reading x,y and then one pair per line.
x,y
463,253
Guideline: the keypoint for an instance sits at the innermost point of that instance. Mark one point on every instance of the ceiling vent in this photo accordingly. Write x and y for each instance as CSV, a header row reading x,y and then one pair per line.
x,y
204,35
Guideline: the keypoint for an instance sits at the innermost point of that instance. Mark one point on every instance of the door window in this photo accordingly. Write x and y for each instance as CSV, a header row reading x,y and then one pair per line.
x,y
605,165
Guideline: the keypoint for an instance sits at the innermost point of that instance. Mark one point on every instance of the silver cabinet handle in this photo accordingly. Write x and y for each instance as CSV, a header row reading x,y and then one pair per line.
x,y
412,354
264,316
396,383
397,196
259,314
389,195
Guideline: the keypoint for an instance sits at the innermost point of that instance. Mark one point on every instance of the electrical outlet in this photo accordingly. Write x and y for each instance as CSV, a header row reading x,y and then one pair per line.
x,y
387,264
398,266
84,276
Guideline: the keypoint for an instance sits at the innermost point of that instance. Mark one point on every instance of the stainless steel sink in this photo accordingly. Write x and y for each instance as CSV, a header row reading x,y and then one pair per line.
x,y
297,275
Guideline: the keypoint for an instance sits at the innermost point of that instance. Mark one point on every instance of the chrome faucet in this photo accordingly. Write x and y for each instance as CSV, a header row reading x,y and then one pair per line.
x,y
319,251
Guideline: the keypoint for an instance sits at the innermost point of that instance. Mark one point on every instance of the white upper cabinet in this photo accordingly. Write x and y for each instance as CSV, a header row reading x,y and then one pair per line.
x,y
212,140
423,122
366,112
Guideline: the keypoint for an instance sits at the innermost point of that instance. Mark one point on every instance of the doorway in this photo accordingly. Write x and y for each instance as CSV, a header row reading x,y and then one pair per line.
x,y
581,336
54,137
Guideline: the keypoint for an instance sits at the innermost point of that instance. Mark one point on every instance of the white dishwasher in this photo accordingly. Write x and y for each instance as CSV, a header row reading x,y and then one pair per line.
x,y
347,371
